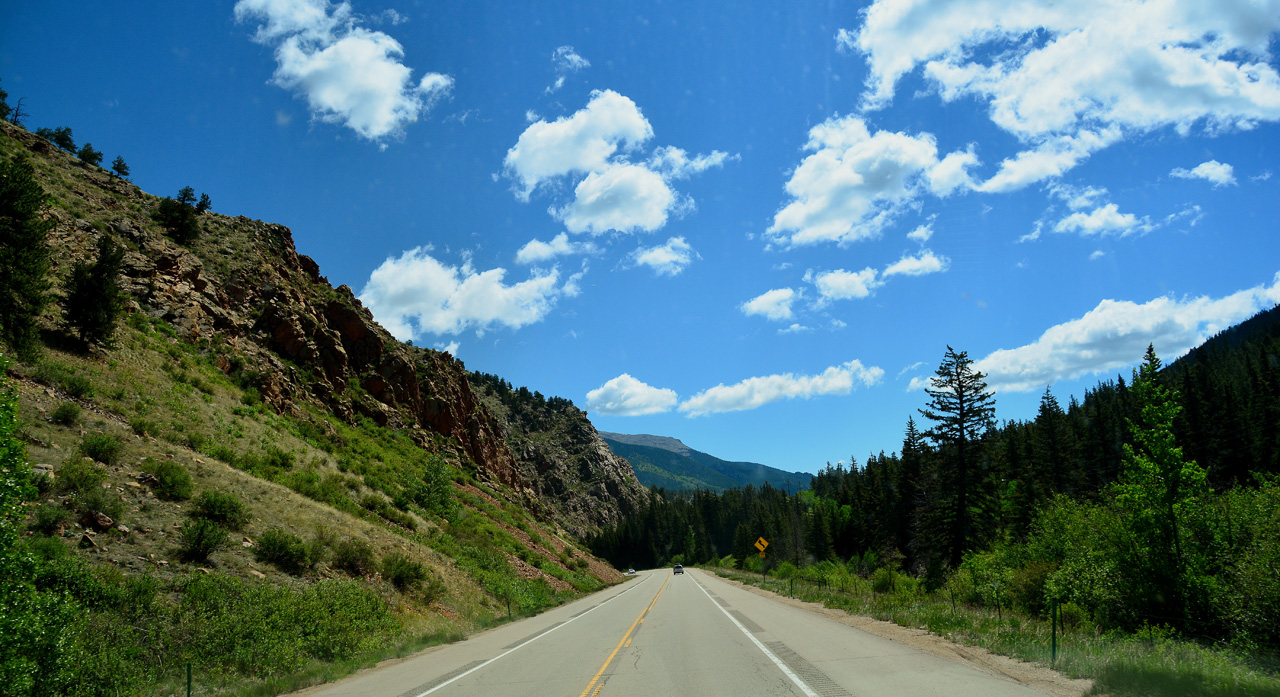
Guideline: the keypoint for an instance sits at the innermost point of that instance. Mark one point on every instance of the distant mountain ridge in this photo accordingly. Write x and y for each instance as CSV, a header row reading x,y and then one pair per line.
x,y
669,463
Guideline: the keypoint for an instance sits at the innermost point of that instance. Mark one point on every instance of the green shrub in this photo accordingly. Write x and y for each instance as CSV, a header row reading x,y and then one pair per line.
x,y
884,580
286,550
79,475
355,557
223,509
50,518
103,447
67,414
201,537
173,481
223,453
403,572
143,427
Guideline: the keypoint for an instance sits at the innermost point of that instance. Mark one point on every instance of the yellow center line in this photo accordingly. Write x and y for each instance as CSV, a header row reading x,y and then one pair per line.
x,y
622,641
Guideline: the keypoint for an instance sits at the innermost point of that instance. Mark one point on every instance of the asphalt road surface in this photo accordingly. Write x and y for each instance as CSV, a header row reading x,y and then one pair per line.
x,y
665,634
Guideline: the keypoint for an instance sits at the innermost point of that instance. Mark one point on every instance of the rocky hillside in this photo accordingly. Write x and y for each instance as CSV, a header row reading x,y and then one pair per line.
x,y
276,325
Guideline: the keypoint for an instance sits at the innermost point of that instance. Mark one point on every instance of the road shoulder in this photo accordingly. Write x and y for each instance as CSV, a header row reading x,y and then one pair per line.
x,y
1036,677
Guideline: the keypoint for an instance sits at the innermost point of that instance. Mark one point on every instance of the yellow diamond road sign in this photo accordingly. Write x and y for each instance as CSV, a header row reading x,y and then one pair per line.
x,y
761,544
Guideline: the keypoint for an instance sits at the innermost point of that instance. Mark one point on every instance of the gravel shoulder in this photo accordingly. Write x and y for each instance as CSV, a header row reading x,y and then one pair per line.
x,y
1039,678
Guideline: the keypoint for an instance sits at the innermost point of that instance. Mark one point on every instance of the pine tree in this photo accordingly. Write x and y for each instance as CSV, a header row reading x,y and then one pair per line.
x,y
94,300
119,167
89,156
962,409
24,257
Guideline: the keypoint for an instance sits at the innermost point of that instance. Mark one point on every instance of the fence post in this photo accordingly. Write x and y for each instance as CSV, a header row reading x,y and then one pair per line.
x,y
793,586
188,679
1053,619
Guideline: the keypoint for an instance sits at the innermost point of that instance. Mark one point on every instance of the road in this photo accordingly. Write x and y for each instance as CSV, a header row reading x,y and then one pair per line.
x,y
665,634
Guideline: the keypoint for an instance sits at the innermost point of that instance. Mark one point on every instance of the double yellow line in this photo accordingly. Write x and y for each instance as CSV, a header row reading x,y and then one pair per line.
x,y
625,640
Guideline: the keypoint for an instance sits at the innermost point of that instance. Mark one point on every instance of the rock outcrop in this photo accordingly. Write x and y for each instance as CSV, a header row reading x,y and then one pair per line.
x,y
282,327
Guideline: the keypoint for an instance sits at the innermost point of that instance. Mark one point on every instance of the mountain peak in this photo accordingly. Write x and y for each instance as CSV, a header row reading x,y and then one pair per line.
x,y
650,441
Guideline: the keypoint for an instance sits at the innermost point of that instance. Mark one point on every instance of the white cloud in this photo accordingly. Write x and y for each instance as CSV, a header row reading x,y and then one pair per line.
x,y
1217,173
843,285
926,262
348,74
856,182
415,293
1104,220
674,163
666,259
952,173
592,149
622,197
759,391
627,396
1097,254
846,41
1264,175
566,61
921,234
1115,334
536,250
576,144
450,348
774,304
1098,68
795,328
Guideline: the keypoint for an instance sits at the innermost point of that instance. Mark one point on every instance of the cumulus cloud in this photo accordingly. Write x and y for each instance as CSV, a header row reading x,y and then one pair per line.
x,y
843,285
1104,220
416,293
593,150
566,61
576,144
774,304
926,262
1115,334
758,391
855,182
1070,78
666,259
627,396
1215,172
348,74
536,250
921,234
621,197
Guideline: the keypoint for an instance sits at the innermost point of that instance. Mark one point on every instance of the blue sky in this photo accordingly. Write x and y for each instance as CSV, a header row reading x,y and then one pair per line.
x,y
755,227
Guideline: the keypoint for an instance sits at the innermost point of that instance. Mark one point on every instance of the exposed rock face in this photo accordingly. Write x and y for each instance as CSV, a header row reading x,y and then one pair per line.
x,y
242,285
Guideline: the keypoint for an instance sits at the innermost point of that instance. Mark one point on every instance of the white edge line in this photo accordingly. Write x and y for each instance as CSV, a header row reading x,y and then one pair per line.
x,y
530,641
781,666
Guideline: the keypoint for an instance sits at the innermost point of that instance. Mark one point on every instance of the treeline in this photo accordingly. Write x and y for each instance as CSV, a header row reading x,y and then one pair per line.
x,y
1130,503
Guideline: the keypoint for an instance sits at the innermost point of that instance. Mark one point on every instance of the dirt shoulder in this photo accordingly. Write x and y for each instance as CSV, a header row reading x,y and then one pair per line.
x,y
1039,678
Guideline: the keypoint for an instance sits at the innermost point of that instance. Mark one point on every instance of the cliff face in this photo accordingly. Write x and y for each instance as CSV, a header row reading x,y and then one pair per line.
x,y
300,341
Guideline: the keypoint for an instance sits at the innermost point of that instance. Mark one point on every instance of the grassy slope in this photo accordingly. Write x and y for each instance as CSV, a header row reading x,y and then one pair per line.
x,y
164,398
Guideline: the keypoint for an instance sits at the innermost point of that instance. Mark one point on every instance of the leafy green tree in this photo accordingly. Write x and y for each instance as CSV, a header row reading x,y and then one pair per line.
x,y
962,408
187,195
32,623
1158,490
24,256
204,204
119,168
95,300
89,156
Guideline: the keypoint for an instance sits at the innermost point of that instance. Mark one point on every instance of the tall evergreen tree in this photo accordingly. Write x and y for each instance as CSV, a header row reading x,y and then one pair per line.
x,y
24,256
962,408
119,167
94,299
